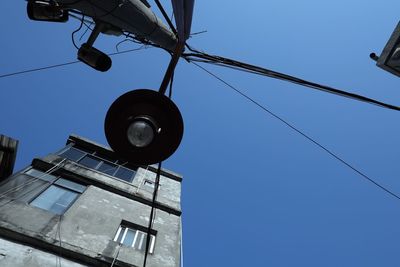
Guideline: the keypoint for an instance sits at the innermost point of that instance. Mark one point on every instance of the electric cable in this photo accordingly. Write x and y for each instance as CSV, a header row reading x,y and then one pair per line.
x,y
72,14
35,178
197,33
116,255
77,30
87,29
58,233
165,15
291,126
153,203
26,183
198,56
68,63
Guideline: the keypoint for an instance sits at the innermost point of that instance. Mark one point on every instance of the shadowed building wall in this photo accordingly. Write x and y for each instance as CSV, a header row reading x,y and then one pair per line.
x,y
82,206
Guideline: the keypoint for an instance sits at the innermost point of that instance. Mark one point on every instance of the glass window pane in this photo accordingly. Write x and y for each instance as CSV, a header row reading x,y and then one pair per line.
x,y
71,185
104,157
141,242
90,162
130,236
120,235
124,174
41,175
108,168
72,154
55,199
151,247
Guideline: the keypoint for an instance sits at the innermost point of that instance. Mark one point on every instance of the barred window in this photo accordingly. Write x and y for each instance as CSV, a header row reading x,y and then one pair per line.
x,y
131,237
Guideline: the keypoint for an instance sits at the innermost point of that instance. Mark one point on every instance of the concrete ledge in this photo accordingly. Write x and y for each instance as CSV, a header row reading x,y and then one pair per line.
x,y
53,246
105,150
88,180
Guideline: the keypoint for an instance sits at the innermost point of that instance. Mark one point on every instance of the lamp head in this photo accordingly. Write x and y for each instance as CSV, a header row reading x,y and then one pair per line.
x,y
143,127
142,131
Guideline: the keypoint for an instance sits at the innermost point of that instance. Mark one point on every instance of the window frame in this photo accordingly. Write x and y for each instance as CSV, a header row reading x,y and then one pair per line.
x,y
55,183
135,245
101,160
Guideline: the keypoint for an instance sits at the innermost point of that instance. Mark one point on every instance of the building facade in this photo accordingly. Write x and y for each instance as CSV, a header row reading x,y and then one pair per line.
x,y
82,206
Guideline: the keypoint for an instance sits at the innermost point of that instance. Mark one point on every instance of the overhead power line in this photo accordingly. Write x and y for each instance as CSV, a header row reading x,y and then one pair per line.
x,y
67,63
291,126
198,56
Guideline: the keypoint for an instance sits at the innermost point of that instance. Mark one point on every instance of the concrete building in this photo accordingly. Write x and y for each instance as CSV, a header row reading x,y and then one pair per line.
x,y
82,206
8,153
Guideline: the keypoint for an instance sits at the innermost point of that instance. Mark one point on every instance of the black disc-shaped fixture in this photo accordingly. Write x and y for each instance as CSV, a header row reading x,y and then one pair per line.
x,y
143,126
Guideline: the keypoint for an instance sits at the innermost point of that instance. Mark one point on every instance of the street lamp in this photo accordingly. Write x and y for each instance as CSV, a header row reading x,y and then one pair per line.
x,y
144,126
389,59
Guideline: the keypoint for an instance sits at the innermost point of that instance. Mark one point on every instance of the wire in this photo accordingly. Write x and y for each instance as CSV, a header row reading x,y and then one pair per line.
x,y
58,233
197,33
87,29
291,126
148,237
77,30
126,40
134,38
165,15
116,255
198,56
38,69
24,184
72,14
67,63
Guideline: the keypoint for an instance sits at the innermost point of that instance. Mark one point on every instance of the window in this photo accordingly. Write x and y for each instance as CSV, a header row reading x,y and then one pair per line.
x,y
131,237
59,196
42,190
26,186
73,154
124,174
90,162
107,166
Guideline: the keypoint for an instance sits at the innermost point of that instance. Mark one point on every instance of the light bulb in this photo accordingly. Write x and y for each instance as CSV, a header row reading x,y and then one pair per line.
x,y
140,133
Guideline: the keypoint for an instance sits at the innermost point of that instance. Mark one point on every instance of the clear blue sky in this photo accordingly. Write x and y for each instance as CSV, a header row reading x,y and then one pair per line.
x,y
255,193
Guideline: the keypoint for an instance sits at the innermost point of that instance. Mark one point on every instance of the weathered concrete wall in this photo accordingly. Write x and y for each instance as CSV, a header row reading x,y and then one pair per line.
x,y
16,255
85,233
169,193
90,224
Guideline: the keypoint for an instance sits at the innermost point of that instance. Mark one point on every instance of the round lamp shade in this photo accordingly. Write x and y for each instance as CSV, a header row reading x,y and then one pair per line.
x,y
143,127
